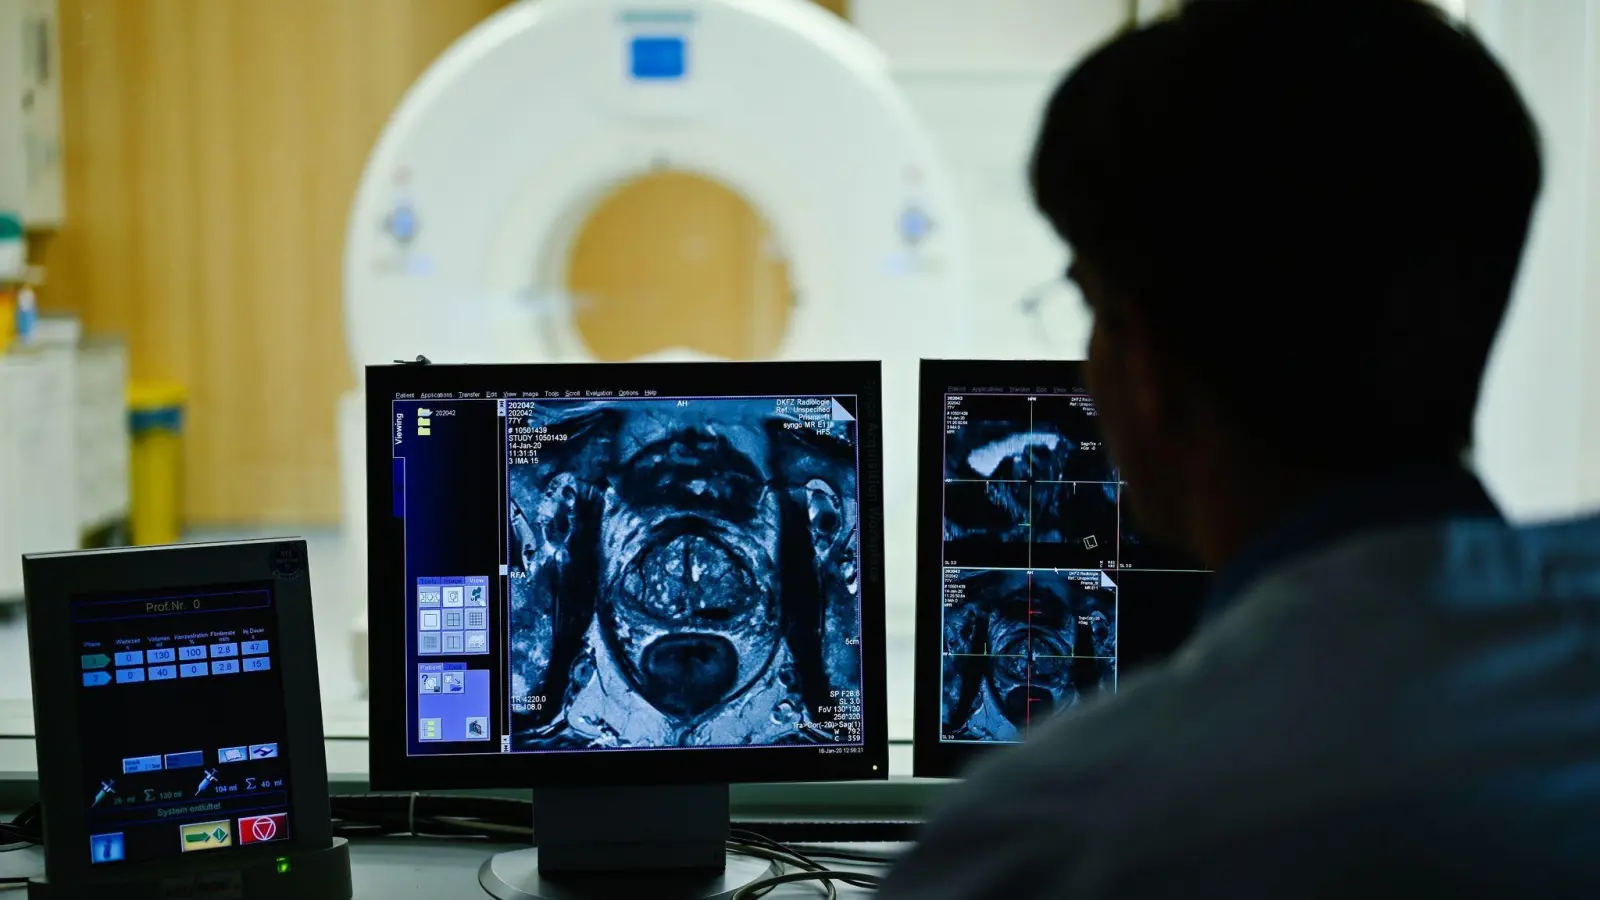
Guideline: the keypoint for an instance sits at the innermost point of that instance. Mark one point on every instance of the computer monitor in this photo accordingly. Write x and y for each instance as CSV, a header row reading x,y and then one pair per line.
x,y
1035,589
602,581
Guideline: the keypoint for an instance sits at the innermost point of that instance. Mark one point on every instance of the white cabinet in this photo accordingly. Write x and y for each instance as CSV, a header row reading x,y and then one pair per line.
x,y
30,112
38,468
102,434
63,445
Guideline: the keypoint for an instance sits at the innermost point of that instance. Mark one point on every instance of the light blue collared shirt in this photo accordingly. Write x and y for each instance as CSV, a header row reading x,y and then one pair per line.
x,y
1409,712
1407,496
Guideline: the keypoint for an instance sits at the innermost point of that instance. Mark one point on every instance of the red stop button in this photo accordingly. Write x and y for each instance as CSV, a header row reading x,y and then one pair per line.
x,y
260,829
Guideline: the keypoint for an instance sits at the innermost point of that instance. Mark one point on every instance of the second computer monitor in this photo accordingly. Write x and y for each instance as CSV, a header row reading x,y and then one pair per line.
x,y
590,575
1035,589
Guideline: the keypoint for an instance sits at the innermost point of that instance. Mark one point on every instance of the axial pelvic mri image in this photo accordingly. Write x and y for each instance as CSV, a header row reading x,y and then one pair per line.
x,y
1020,646
685,574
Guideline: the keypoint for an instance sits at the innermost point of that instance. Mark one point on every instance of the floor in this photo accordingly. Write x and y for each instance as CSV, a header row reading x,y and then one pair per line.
x,y
337,602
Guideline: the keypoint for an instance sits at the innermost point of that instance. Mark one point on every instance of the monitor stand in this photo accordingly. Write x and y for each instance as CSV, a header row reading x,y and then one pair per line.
x,y
604,843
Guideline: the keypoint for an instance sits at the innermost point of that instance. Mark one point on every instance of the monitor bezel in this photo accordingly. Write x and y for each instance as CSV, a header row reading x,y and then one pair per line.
x,y
53,580
391,768
931,757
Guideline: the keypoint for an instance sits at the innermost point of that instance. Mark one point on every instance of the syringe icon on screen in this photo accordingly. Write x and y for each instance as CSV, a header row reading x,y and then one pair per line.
x,y
211,775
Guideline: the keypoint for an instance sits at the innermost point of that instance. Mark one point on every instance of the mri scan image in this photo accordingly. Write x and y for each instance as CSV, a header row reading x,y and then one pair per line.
x,y
1050,438
1074,524
1075,418
1027,483
1020,646
987,514
685,574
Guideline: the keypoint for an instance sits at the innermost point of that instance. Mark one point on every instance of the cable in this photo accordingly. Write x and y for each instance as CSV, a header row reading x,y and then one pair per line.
x,y
814,871
22,831
780,859
761,887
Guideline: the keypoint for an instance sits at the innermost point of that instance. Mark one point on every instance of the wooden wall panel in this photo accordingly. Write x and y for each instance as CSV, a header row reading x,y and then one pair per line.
x,y
212,150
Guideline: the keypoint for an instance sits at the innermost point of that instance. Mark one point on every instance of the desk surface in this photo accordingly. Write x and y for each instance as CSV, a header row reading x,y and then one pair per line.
x,y
432,869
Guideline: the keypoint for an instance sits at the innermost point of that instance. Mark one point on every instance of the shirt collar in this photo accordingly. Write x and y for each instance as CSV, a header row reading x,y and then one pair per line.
x,y
1403,497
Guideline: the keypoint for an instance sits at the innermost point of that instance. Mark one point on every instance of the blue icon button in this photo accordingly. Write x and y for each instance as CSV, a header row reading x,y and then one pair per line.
x,y
252,648
136,764
163,673
131,658
188,759
233,754
129,676
263,751
96,679
166,655
257,663
105,848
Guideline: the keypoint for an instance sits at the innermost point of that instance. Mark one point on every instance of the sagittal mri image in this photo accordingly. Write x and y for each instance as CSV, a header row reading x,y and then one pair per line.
x,y
1007,438
1019,646
684,575
1074,524
1027,483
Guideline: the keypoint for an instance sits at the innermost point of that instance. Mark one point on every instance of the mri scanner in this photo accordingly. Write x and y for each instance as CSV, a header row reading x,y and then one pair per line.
x,y
473,197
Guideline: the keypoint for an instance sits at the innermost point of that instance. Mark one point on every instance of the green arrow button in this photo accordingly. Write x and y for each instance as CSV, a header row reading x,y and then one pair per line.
x,y
96,661
200,838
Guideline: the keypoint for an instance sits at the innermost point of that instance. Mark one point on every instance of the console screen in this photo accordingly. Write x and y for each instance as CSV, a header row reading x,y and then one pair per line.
x,y
184,722
1048,591
629,570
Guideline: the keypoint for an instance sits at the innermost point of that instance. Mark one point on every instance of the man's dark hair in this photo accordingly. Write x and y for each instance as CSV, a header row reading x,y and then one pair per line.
x,y
1318,206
